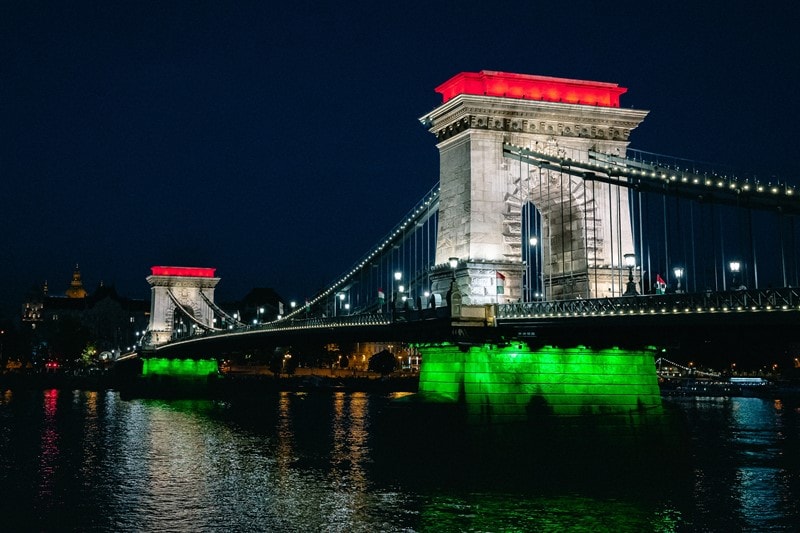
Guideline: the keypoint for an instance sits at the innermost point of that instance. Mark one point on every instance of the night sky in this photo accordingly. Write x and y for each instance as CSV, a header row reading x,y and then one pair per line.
x,y
278,142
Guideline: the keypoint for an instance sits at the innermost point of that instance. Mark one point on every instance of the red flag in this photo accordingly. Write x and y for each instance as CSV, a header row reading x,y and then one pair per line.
x,y
501,283
659,280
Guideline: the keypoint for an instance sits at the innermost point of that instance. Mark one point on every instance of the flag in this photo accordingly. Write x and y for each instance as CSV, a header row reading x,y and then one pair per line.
x,y
381,296
661,285
501,283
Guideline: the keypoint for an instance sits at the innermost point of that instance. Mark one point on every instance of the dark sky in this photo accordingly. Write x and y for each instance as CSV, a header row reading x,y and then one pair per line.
x,y
278,141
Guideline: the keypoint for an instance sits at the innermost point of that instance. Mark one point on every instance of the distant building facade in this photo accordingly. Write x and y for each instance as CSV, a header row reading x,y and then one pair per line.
x,y
111,322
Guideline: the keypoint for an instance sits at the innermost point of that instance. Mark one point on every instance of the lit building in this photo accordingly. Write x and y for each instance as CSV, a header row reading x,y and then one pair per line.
x,y
111,322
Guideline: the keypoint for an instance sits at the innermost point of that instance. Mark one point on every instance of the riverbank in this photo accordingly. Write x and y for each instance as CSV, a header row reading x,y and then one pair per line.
x,y
214,386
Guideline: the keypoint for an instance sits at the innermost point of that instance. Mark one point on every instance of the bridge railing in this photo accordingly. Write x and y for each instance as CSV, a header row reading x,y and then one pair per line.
x,y
708,301
374,319
757,299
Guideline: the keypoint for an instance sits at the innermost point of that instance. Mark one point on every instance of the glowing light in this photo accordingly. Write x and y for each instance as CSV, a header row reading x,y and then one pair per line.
x,y
565,381
189,368
530,87
192,272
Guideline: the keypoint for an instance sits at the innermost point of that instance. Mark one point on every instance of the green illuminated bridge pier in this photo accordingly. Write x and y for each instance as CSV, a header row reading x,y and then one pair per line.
x,y
544,272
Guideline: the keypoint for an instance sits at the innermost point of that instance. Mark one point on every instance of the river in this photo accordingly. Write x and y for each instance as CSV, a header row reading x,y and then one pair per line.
x,y
333,461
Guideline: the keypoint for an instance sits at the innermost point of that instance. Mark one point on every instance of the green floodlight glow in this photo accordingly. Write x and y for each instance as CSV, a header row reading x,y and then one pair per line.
x,y
514,382
183,368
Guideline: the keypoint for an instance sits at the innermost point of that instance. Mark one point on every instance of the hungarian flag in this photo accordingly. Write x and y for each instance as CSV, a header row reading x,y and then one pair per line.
x,y
661,285
381,296
501,283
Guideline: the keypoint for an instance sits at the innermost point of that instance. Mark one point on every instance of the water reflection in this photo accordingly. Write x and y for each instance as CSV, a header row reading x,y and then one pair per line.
x,y
49,447
89,461
575,513
746,464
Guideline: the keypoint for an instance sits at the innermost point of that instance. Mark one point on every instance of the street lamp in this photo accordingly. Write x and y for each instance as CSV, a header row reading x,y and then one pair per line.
x,y
260,312
340,304
399,290
533,241
678,271
630,262
453,261
735,266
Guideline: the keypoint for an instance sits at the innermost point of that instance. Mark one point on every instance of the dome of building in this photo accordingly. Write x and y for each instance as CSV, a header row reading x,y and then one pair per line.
x,y
76,289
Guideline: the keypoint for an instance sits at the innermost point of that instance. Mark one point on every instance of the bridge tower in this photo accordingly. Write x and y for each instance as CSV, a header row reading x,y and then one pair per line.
x,y
179,293
586,226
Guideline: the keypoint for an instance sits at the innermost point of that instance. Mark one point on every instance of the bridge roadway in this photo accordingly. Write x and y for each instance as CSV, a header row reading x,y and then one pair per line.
x,y
730,324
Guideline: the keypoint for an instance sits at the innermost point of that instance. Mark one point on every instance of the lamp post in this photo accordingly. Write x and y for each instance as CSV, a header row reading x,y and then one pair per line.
x,y
260,312
735,266
398,289
678,271
630,262
453,261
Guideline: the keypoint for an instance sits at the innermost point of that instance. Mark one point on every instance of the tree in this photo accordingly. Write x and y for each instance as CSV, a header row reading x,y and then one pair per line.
x,y
383,362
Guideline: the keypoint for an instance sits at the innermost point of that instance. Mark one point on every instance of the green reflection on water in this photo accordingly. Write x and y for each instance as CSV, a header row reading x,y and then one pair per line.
x,y
504,512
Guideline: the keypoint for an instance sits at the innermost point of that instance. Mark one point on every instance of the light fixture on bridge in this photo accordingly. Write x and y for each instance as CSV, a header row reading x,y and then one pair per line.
x,y
401,289
292,304
735,267
454,262
534,240
630,262
678,271
398,276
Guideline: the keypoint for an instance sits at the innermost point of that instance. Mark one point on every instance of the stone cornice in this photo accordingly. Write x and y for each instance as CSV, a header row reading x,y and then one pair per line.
x,y
175,281
508,115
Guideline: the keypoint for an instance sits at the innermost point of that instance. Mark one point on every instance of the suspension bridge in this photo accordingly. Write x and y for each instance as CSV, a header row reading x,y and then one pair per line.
x,y
547,240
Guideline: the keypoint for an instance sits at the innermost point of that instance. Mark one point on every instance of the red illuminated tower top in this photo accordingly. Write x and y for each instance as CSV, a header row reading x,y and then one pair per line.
x,y
189,272
530,87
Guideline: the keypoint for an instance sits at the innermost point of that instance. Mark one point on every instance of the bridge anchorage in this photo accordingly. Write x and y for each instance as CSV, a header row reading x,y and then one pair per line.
x,y
511,275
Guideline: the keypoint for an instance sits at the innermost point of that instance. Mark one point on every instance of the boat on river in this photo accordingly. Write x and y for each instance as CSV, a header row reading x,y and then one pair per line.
x,y
756,387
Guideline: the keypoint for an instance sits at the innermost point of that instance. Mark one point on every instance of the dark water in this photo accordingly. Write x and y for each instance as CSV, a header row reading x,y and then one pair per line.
x,y
90,461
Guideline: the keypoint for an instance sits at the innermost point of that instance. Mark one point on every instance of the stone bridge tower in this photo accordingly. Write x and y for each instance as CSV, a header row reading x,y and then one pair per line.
x,y
186,293
586,227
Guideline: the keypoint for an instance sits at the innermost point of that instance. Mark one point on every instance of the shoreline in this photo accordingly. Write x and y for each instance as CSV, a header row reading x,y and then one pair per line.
x,y
213,387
